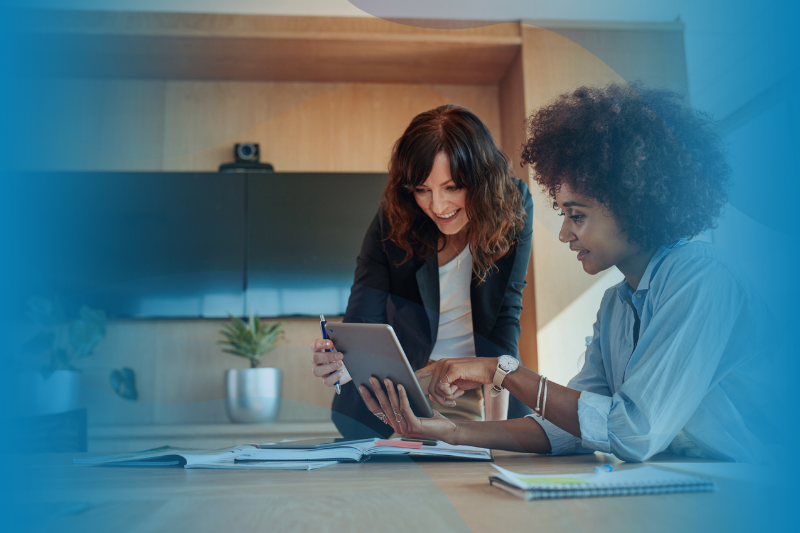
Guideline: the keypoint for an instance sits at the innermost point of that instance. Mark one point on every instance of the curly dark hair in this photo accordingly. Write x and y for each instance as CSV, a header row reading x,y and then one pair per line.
x,y
658,165
494,204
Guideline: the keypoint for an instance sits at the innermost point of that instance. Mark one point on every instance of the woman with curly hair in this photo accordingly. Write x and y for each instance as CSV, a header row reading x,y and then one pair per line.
x,y
680,346
443,262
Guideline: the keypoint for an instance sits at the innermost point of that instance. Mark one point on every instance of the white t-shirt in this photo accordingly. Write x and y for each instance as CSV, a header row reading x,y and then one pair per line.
x,y
455,338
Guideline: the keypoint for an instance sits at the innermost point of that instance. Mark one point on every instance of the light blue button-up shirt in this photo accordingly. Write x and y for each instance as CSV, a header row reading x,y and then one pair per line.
x,y
694,382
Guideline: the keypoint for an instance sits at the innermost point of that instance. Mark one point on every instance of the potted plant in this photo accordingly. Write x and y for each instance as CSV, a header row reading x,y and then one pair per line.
x,y
254,394
60,341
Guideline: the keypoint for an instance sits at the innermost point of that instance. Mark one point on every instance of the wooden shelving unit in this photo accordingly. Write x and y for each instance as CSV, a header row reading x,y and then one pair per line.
x,y
260,48
159,91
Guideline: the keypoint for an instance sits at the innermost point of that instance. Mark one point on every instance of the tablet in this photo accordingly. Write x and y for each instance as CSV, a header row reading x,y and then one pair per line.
x,y
372,350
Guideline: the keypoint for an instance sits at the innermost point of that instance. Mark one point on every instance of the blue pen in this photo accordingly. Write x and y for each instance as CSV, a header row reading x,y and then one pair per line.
x,y
322,323
602,469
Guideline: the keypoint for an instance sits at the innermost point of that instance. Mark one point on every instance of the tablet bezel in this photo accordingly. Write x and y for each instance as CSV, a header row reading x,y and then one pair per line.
x,y
375,351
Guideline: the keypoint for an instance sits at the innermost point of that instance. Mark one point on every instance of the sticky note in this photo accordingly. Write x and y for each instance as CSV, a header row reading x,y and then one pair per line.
x,y
558,480
399,444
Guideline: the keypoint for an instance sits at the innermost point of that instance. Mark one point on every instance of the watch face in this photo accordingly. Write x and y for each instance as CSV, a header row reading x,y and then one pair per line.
x,y
507,363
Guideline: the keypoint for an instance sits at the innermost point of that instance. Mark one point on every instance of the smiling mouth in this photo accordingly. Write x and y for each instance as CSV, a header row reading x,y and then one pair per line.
x,y
448,215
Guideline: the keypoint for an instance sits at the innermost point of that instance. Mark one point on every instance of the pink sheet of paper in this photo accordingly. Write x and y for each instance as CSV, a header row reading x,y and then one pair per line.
x,y
399,444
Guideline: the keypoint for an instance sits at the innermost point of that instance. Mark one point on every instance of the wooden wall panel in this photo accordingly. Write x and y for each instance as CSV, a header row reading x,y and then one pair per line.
x,y
553,64
512,112
180,370
321,127
100,125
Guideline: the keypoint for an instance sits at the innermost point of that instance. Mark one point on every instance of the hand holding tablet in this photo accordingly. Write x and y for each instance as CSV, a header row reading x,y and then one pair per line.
x,y
396,411
373,351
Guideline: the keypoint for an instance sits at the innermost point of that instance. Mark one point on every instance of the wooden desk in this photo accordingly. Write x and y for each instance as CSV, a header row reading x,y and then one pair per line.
x,y
373,496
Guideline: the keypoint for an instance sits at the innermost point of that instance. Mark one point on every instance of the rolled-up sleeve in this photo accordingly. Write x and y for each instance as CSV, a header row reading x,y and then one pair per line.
x,y
672,368
561,442
593,410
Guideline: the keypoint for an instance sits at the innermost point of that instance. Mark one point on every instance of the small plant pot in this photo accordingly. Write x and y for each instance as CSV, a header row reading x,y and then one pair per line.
x,y
57,393
254,395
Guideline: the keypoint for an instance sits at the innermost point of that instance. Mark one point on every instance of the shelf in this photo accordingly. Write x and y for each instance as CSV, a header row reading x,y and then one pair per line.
x,y
267,48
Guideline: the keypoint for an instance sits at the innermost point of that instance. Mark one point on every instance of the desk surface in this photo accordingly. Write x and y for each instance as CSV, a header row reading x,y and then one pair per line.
x,y
374,496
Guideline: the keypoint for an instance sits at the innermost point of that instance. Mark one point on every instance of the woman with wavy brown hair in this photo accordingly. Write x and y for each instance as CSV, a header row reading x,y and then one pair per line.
x,y
443,262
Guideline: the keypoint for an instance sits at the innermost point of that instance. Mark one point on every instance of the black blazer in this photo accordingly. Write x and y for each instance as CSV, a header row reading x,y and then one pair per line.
x,y
407,298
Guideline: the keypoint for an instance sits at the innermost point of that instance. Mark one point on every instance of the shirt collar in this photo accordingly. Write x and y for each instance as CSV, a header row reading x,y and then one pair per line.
x,y
625,291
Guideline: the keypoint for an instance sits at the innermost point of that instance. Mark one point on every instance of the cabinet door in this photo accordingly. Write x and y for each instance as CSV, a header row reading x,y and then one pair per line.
x,y
133,244
304,234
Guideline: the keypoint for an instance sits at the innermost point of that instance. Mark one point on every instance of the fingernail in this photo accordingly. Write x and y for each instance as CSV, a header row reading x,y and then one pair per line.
x,y
338,364
340,374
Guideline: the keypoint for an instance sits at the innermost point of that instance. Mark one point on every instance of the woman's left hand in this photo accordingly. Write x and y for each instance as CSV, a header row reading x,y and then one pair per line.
x,y
395,410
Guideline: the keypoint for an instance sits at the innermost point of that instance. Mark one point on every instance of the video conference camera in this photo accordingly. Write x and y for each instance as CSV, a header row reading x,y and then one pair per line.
x,y
247,158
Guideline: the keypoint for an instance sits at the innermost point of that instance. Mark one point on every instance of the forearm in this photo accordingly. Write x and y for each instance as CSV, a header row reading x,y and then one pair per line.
x,y
495,407
518,435
562,403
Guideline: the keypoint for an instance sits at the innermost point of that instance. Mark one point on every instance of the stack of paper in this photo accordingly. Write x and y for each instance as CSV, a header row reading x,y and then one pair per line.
x,y
357,452
194,458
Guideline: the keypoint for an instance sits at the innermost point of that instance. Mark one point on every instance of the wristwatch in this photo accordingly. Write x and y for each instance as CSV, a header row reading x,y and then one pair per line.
x,y
505,365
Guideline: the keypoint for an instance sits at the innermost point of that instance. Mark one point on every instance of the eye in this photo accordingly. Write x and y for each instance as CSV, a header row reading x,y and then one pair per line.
x,y
419,191
453,188
577,217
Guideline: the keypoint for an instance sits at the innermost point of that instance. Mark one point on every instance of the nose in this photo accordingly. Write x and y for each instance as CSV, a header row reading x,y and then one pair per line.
x,y
565,235
438,202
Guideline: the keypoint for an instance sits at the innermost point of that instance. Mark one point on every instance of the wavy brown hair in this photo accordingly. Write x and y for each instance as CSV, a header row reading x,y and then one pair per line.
x,y
494,204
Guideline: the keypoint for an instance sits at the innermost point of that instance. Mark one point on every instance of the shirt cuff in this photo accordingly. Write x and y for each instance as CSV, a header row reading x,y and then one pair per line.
x,y
561,442
593,412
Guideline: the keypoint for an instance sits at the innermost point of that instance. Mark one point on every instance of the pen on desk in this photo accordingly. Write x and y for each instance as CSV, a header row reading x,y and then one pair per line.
x,y
322,323
602,469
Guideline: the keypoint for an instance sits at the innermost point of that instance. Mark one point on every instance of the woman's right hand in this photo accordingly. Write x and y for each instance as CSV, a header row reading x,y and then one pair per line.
x,y
328,365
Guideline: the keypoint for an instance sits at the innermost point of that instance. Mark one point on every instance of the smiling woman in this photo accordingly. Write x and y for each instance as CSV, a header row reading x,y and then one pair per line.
x,y
443,263
682,348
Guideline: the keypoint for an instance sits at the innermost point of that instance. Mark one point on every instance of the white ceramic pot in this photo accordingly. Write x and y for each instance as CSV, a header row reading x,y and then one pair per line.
x,y
254,395
58,393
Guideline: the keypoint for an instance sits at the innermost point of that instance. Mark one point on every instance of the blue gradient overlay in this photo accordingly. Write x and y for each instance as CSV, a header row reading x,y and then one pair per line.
x,y
754,96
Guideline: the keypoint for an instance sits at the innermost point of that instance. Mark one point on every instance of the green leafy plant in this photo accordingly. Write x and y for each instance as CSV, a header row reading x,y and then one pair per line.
x,y
62,339
251,339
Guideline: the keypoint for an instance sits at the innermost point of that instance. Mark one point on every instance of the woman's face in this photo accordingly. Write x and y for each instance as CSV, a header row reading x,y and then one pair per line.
x,y
441,200
592,231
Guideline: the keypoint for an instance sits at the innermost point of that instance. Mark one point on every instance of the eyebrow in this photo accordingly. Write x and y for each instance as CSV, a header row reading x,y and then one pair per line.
x,y
573,204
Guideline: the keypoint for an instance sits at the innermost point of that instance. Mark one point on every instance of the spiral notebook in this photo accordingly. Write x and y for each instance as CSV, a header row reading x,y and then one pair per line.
x,y
644,480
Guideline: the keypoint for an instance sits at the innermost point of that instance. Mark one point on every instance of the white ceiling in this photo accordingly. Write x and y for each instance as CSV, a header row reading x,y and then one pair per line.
x,y
735,49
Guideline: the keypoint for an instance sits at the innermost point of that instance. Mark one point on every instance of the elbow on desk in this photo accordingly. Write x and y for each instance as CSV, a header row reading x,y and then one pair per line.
x,y
639,448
